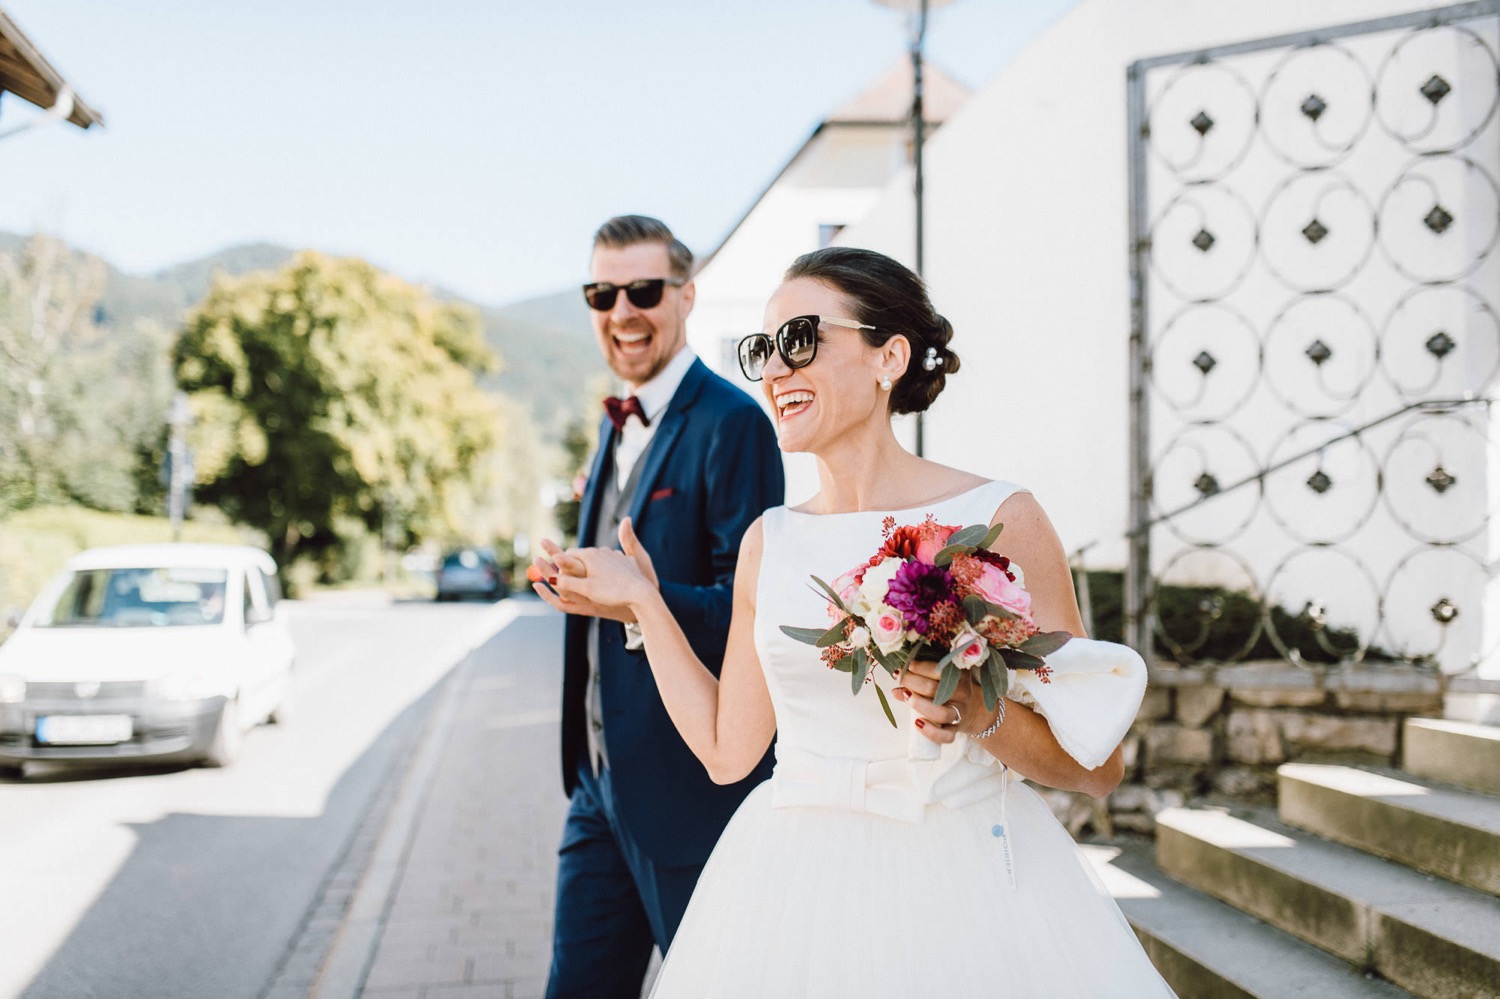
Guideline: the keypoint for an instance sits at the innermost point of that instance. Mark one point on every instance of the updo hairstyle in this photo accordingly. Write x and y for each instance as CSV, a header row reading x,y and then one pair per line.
x,y
887,295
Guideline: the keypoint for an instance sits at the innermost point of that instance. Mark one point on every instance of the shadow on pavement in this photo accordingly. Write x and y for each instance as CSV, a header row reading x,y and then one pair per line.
x,y
205,905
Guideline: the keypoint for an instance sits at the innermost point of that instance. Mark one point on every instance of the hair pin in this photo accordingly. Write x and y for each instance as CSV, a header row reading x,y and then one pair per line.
x,y
930,362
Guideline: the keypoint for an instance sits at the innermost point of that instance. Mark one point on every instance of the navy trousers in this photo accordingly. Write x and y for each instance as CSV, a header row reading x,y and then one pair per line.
x,y
613,903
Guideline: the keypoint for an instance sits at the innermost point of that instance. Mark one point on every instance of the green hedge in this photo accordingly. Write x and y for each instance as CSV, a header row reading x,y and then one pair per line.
x,y
1180,612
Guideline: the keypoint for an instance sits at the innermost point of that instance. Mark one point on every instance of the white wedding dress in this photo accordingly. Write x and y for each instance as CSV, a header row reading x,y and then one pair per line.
x,y
858,872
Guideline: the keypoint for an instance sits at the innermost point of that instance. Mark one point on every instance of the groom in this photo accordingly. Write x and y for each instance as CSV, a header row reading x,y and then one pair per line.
x,y
692,460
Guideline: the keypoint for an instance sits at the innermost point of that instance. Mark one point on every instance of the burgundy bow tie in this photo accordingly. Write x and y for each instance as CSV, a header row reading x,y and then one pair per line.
x,y
620,410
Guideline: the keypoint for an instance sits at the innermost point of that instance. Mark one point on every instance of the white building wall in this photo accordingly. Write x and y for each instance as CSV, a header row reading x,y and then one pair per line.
x,y
1027,245
1027,241
835,180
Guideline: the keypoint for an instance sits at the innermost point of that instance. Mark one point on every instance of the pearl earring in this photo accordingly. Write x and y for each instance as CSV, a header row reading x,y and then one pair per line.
x,y
885,383
930,362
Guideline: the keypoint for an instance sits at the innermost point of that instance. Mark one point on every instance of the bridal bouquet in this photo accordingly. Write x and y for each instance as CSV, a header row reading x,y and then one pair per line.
x,y
936,593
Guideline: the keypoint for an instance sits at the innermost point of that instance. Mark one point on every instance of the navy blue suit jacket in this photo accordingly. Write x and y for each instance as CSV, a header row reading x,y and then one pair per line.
x,y
712,467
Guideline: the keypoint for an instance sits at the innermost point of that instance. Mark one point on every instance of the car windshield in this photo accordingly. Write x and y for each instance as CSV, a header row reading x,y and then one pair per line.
x,y
462,560
139,598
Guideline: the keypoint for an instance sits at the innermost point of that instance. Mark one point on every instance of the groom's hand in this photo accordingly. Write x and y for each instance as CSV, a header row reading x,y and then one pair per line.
x,y
560,563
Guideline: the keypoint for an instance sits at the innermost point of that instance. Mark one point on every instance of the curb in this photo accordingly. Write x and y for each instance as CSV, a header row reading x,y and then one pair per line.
x,y
333,951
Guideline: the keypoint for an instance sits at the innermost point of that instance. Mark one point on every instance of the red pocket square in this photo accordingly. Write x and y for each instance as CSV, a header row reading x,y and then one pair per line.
x,y
662,494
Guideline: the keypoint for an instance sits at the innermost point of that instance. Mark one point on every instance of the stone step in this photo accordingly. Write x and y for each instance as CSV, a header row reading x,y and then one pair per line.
x,y
1427,935
1453,834
1208,950
1455,752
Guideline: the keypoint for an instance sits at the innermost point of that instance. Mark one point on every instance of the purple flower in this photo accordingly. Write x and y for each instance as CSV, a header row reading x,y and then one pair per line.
x,y
916,589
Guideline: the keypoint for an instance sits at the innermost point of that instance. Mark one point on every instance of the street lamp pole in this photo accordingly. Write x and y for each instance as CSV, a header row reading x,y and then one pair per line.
x,y
918,10
918,43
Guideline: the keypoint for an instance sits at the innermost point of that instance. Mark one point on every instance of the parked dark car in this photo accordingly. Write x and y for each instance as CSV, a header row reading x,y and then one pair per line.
x,y
471,572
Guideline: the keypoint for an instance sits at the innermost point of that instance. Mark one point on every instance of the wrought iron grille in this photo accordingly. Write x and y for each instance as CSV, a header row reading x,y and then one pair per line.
x,y
1315,343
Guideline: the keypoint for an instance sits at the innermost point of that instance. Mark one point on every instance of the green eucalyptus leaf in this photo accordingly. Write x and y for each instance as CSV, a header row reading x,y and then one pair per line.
x,y
886,706
995,667
947,684
810,636
1045,643
975,608
967,538
987,685
833,596
1016,659
893,663
991,536
861,669
832,636
844,665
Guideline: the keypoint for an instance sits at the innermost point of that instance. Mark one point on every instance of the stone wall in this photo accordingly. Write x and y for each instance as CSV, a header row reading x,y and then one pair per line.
x,y
1218,733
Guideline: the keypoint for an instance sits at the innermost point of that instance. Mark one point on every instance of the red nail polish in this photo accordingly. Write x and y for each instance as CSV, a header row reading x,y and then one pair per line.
x,y
921,723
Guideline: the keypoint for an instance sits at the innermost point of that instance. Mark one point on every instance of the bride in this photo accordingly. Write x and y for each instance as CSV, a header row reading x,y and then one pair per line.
x,y
865,867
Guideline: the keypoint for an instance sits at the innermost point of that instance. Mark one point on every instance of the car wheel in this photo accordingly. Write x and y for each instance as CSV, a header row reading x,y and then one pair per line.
x,y
226,745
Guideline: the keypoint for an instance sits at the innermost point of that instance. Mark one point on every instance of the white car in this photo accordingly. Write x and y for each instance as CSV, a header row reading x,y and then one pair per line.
x,y
146,653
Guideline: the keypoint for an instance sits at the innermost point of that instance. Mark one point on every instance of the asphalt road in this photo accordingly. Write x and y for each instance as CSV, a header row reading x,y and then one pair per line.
x,y
192,883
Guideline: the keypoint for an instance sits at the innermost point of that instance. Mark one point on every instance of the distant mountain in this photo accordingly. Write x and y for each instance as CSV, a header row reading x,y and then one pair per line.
x,y
546,344
192,279
547,356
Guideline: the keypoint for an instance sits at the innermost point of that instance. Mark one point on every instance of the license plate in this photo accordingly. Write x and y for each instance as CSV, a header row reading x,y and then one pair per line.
x,y
83,730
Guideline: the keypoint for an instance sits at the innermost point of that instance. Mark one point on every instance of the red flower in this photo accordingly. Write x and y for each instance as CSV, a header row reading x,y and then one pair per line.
x,y
919,541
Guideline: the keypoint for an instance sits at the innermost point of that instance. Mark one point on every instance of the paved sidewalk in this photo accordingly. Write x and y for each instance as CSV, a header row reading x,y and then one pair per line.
x,y
455,897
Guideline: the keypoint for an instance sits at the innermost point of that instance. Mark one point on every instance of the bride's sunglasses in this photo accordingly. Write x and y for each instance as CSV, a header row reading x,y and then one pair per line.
x,y
796,340
643,294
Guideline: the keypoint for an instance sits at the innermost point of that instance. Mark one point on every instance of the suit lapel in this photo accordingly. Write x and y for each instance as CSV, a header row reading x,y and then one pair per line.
x,y
655,458
672,423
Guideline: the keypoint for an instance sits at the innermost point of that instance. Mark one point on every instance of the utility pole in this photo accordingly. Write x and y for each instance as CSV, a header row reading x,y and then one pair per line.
x,y
179,418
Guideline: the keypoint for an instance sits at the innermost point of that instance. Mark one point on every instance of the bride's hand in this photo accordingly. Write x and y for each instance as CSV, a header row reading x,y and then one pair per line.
x,y
963,712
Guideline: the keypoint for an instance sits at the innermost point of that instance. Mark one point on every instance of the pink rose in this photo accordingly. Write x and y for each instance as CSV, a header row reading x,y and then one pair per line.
x,y
847,587
887,628
997,588
971,650
929,546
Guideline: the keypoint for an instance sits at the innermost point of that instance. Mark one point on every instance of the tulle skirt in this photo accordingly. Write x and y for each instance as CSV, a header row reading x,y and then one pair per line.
x,y
826,903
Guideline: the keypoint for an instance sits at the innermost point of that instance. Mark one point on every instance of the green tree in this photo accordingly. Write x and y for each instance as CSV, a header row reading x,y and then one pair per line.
x,y
332,398
82,402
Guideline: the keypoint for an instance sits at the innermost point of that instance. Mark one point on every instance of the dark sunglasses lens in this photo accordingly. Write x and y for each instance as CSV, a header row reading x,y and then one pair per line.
x,y
755,351
799,342
645,294
601,297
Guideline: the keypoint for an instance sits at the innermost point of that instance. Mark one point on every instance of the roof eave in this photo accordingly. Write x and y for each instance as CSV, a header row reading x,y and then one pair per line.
x,y
35,80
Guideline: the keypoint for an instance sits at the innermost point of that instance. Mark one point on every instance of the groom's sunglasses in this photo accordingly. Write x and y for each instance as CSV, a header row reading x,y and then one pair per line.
x,y
796,340
643,294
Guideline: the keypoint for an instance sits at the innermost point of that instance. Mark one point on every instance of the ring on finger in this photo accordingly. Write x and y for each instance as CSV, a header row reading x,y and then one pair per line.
x,y
958,716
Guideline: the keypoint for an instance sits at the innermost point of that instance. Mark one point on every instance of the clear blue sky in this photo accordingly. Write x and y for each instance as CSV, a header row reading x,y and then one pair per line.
x,y
474,144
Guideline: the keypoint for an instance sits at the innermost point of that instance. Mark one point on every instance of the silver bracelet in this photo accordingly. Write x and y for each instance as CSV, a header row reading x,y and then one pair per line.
x,y
994,725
